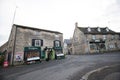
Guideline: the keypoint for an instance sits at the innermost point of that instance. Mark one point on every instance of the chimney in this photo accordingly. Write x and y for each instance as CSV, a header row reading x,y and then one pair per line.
x,y
76,24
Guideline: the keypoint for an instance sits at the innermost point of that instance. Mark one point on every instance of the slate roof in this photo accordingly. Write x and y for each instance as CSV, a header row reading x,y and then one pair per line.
x,y
94,30
26,27
3,46
67,41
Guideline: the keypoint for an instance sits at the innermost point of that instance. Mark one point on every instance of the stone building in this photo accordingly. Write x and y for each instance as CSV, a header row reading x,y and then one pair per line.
x,y
67,46
3,47
3,50
94,40
23,39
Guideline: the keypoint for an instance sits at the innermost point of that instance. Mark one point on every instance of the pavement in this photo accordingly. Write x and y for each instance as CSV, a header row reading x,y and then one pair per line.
x,y
111,72
113,76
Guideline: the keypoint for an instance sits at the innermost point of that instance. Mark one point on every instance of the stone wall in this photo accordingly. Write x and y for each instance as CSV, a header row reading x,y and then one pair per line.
x,y
24,38
21,37
110,41
11,45
4,47
81,42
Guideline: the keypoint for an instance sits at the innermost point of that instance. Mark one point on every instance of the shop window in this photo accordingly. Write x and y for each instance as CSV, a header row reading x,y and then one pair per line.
x,y
37,42
102,46
57,43
92,46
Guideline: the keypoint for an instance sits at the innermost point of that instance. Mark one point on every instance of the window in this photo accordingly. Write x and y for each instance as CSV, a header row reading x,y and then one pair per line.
x,y
92,47
119,37
113,36
111,46
94,37
37,42
104,37
57,43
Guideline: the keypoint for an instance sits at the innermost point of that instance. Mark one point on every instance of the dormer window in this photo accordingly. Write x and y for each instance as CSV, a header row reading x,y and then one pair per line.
x,y
107,29
99,30
89,30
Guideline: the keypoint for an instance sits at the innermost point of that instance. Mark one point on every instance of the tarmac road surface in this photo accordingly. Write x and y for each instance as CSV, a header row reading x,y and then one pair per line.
x,y
73,67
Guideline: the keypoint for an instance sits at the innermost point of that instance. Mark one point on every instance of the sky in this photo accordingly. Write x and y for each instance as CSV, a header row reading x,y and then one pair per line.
x,y
58,15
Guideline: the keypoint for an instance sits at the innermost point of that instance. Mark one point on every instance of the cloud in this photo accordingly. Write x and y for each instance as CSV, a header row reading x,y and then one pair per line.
x,y
112,15
59,15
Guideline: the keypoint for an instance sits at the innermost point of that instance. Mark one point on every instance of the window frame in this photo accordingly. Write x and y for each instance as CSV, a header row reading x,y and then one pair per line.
x,y
37,42
57,41
93,37
113,37
104,37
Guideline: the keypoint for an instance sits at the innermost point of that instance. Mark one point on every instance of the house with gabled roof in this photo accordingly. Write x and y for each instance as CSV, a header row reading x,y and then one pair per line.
x,y
27,43
94,40
67,46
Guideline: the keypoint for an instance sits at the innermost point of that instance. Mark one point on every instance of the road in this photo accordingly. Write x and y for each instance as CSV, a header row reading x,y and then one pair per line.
x,y
73,67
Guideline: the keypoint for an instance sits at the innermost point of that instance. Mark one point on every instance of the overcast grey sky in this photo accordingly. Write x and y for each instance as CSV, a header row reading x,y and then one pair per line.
x,y
59,15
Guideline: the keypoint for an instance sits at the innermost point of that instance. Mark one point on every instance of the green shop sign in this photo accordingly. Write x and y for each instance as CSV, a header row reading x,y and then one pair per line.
x,y
58,48
32,48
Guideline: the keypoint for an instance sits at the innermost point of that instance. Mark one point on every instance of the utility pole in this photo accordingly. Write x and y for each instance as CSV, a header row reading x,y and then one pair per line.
x,y
13,51
14,15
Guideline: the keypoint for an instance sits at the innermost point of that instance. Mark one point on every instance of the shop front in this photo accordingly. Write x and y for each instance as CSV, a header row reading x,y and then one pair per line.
x,y
32,54
58,50
97,46
59,53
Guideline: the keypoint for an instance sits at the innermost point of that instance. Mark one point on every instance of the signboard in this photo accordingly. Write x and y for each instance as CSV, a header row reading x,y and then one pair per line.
x,y
32,48
19,56
58,48
33,58
97,40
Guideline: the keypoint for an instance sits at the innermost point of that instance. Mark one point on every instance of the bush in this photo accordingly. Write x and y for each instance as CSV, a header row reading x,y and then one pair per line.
x,y
1,60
